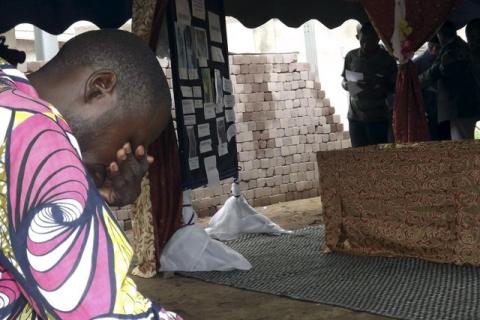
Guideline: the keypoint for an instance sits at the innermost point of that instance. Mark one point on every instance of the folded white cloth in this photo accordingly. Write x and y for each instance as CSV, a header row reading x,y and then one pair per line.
x,y
237,217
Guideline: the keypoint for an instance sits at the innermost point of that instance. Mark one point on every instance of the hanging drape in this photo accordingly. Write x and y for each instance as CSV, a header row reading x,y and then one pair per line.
x,y
157,212
404,25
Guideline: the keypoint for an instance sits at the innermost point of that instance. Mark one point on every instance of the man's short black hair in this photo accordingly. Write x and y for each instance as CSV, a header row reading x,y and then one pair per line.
x,y
448,30
141,84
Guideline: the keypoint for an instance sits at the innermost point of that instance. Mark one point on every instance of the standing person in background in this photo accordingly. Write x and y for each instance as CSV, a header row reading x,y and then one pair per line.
x,y
458,96
423,63
369,77
473,38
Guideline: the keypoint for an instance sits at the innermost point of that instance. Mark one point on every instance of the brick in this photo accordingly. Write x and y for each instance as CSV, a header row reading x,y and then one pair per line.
x,y
123,213
238,59
278,198
289,58
244,136
291,187
244,68
294,167
278,58
247,88
311,176
285,151
234,69
302,176
346,144
303,102
303,66
241,78
300,186
258,77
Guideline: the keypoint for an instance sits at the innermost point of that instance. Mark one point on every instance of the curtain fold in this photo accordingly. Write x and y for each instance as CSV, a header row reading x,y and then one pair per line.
x,y
157,213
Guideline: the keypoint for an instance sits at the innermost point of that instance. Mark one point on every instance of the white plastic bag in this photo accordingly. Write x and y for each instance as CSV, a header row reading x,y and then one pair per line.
x,y
191,249
237,217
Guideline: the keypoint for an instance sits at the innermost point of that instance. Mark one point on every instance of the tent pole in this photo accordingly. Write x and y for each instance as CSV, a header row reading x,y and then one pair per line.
x,y
311,47
46,45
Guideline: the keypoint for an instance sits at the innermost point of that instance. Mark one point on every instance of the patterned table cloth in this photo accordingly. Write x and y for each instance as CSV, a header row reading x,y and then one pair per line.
x,y
420,200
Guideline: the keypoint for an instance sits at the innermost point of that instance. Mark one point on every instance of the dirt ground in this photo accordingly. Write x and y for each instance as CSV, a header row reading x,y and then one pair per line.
x,y
198,300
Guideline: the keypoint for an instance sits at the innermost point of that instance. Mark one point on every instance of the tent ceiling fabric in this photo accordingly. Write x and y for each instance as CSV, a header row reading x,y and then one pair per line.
x,y
332,13
55,16
294,13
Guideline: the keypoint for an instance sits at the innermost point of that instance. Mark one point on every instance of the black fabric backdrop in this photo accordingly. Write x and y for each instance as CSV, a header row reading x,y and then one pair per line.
x,y
55,16
227,165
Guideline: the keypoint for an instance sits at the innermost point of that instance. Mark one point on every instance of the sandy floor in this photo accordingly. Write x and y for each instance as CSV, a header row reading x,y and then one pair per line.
x,y
197,300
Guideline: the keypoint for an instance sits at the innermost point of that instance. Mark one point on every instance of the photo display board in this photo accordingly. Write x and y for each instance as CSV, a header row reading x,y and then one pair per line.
x,y
204,103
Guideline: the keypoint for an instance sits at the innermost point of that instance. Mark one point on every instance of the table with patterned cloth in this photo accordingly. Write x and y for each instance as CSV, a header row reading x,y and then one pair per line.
x,y
420,200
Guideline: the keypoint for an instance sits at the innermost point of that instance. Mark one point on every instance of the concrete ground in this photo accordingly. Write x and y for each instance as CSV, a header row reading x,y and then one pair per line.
x,y
198,300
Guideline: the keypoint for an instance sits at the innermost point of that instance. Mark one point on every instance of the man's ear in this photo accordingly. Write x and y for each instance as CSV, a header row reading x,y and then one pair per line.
x,y
99,84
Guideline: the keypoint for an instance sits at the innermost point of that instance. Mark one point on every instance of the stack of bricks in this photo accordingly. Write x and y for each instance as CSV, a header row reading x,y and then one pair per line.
x,y
283,118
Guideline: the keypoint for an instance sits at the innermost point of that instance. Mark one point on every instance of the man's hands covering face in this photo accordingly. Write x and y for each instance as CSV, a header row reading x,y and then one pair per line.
x,y
122,184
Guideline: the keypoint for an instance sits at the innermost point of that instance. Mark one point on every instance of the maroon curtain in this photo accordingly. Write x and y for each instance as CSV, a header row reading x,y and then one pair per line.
x,y
165,188
409,117
164,173
424,17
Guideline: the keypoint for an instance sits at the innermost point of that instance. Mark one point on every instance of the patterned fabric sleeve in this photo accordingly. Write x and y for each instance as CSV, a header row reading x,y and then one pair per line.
x,y
63,249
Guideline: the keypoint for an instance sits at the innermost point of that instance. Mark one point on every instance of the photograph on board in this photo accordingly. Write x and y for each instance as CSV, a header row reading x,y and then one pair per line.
x,y
201,45
192,62
182,54
183,12
192,148
218,91
208,95
222,137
